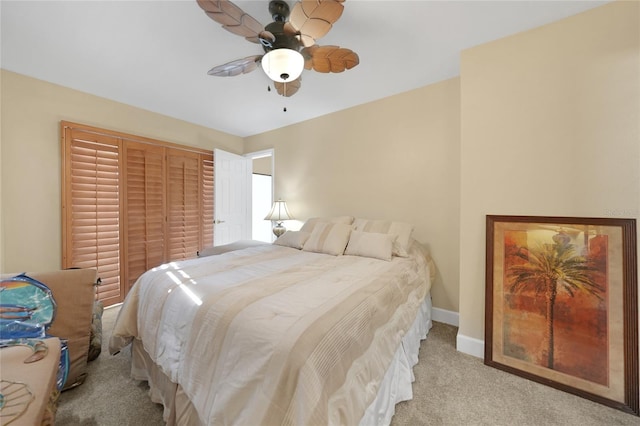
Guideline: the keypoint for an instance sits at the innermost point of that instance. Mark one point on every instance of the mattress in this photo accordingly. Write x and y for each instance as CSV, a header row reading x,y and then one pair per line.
x,y
275,335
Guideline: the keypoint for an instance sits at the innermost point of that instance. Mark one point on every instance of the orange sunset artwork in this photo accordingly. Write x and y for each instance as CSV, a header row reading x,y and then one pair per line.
x,y
555,301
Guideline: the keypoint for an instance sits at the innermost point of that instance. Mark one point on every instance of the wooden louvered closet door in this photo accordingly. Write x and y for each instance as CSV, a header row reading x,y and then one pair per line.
x,y
91,209
206,195
189,207
183,210
131,204
145,227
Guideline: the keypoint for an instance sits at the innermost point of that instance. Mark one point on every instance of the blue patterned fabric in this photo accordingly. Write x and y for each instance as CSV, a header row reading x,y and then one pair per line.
x,y
27,310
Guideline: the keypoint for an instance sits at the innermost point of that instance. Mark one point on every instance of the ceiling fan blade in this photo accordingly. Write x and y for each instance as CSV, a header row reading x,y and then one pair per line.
x,y
237,67
312,19
232,18
305,40
289,88
329,58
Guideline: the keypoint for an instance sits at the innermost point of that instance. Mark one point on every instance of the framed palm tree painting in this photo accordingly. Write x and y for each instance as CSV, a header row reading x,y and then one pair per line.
x,y
561,304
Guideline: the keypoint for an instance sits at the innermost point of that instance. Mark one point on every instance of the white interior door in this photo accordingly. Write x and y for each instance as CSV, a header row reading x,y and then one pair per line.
x,y
232,193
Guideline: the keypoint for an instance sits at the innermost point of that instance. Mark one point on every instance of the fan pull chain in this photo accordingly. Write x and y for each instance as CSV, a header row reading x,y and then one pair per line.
x,y
285,94
285,91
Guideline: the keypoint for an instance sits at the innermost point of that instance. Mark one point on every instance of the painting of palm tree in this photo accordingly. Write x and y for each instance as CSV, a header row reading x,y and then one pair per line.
x,y
561,304
549,268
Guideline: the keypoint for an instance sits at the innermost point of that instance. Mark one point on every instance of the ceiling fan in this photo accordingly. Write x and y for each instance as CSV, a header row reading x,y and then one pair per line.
x,y
289,42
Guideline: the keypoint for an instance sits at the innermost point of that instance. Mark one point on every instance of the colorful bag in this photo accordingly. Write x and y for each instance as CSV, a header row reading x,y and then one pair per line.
x,y
27,309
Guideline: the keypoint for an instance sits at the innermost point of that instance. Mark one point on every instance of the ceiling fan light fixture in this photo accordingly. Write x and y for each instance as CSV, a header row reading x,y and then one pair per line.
x,y
283,65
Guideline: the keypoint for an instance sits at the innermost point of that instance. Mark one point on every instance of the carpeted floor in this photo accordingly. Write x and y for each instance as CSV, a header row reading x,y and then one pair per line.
x,y
109,397
451,388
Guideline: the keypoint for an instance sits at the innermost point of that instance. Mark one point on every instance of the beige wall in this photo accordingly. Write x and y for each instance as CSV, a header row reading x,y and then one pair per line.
x,y
550,126
30,162
262,166
397,158
405,167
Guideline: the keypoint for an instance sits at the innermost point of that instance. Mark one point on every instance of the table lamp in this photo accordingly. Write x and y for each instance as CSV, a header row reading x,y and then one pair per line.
x,y
279,213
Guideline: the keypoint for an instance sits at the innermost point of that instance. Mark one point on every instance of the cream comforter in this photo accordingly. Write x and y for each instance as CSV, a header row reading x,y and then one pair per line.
x,y
272,335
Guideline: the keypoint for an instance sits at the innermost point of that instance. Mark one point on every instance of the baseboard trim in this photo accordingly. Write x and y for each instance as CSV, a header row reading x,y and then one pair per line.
x,y
470,346
444,316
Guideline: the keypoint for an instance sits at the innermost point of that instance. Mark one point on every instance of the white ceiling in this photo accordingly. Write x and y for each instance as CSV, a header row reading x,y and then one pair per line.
x,y
155,54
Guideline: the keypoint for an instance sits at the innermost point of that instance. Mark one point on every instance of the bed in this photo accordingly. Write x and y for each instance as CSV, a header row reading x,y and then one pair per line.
x,y
321,327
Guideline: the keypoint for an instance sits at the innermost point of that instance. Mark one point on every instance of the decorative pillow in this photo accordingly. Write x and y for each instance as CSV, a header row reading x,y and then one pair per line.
x,y
328,238
293,239
310,223
370,244
401,230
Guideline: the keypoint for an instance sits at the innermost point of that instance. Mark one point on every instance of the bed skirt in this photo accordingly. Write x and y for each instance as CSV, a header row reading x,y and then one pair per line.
x,y
396,385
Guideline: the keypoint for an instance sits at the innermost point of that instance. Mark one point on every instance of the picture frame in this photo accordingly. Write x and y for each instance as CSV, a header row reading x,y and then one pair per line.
x,y
561,304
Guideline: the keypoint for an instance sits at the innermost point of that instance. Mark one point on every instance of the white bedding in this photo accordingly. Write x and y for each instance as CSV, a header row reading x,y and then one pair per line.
x,y
274,335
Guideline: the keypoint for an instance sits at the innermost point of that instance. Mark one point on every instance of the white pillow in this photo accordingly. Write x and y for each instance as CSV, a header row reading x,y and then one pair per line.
x,y
402,231
370,244
310,223
328,238
293,239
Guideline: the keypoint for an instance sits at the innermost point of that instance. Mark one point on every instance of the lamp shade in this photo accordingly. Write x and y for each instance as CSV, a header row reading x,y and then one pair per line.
x,y
283,65
279,212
